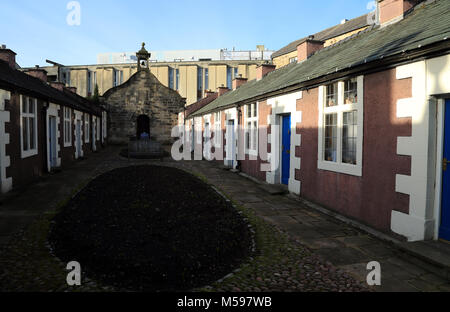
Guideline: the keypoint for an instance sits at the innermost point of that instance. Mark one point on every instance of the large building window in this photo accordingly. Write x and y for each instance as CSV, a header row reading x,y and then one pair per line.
x,y
341,126
28,129
206,79
251,128
67,126
200,79
177,79
118,78
229,78
199,83
89,82
170,78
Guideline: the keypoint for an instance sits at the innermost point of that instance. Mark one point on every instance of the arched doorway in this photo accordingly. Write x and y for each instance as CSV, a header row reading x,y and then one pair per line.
x,y
143,125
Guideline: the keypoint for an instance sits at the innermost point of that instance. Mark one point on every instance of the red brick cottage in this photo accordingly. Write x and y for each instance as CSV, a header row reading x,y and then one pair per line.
x,y
42,126
361,127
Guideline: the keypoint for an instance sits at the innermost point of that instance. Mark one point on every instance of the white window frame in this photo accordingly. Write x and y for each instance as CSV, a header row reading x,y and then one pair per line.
x,y
252,136
67,127
217,129
28,152
340,109
87,129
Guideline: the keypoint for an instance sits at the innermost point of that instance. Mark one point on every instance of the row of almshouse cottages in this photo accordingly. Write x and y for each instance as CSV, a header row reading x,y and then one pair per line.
x,y
42,126
363,126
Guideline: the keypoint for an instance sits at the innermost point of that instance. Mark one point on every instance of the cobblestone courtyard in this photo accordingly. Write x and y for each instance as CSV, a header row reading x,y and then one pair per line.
x,y
299,248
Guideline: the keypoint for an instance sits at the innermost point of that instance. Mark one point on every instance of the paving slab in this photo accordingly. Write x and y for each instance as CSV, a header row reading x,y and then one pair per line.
x,y
357,240
318,243
378,250
343,256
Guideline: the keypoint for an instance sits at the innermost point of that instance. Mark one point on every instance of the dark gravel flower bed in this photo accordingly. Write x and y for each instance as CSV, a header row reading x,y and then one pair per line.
x,y
151,228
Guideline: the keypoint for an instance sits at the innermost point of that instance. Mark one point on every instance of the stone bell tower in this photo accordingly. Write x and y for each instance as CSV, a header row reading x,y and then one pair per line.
x,y
143,58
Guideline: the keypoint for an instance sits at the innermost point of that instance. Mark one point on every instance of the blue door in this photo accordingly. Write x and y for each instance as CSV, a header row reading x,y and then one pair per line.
x,y
445,204
286,149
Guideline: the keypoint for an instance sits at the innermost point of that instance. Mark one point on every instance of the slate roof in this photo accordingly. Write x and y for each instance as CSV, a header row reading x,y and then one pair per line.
x,y
335,31
26,84
200,104
427,24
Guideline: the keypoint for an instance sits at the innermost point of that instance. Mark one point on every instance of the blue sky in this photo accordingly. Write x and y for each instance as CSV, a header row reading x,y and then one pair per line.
x,y
37,30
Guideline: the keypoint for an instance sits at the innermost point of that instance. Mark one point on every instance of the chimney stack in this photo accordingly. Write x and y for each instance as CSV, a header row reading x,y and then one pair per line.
x,y
392,11
38,73
238,81
222,90
72,89
208,93
263,69
57,85
307,48
8,56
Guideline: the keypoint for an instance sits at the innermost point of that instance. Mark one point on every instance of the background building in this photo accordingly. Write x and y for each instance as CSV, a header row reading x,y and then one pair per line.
x,y
328,37
188,55
209,70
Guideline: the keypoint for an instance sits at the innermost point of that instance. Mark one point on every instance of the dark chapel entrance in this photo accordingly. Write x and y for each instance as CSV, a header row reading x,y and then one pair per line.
x,y
143,126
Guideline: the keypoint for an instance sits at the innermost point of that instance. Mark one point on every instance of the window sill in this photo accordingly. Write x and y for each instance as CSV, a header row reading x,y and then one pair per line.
x,y
30,153
355,170
67,144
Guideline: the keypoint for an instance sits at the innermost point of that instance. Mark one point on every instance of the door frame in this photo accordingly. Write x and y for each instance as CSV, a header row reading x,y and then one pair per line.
x,y
53,111
52,140
440,125
78,135
231,115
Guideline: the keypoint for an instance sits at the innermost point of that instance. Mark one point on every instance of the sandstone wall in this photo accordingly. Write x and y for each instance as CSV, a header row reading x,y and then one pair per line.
x,y
142,94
